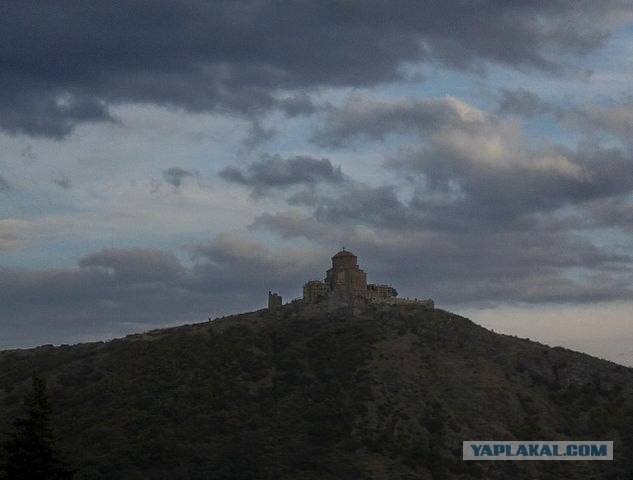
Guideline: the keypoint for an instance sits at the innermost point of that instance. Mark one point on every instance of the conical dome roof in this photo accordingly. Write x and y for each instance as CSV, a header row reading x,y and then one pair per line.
x,y
344,253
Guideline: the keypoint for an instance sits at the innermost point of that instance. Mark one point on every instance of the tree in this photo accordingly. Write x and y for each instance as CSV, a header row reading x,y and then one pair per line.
x,y
29,452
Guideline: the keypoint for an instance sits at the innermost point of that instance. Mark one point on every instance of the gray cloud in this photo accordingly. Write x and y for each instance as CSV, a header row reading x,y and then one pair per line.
x,y
481,213
502,194
175,176
137,265
471,165
598,122
119,291
474,206
299,104
62,182
238,264
258,134
449,195
14,234
5,186
613,212
366,117
31,109
522,102
377,207
272,171
236,55
291,224
29,154
529,263
521,265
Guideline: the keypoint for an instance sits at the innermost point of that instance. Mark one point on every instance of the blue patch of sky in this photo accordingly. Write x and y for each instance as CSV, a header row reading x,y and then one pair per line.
x,y
46,255
436,83
291,136
34,204
610,239
545,129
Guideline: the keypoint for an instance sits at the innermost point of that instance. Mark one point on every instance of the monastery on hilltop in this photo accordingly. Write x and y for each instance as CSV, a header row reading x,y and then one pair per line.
x,y
346,284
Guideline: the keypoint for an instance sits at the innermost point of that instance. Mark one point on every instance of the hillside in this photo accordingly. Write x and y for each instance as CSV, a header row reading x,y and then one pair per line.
x,y
385,392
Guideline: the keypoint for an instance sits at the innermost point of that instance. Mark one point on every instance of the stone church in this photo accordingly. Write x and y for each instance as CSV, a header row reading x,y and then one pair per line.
x,y
344,283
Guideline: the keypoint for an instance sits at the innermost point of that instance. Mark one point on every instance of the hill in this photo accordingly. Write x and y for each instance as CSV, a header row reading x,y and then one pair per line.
x,y
380,392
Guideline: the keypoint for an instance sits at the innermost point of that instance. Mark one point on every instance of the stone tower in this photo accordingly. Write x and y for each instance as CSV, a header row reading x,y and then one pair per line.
x,y
274,300
345,279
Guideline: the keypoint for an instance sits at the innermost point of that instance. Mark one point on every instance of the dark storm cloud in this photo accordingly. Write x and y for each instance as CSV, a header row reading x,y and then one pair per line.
x,y
64,63
119,291
175,176
34,110
272,171
522,102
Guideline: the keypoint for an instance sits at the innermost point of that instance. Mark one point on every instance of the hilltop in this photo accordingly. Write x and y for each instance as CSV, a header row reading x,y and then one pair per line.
x,y
380,391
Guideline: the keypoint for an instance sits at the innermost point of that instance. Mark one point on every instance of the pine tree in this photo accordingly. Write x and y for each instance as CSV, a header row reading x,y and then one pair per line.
x,y
29,452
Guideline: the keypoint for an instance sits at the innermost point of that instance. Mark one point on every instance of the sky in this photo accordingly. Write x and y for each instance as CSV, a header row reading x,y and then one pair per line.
x,y
163,162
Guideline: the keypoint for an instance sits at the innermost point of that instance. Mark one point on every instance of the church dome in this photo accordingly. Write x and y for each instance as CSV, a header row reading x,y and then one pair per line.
x,y
344,253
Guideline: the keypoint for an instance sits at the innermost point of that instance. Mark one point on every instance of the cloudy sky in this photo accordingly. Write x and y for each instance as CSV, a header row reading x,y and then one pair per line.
x,y
163,162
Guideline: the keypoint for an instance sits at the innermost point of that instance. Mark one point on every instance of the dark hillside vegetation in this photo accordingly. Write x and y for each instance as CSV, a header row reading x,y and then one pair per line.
x,y
387,392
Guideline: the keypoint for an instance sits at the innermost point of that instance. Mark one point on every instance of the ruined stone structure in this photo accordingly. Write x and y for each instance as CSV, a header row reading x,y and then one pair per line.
x,y
274,300
315,291
346,284
377,293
